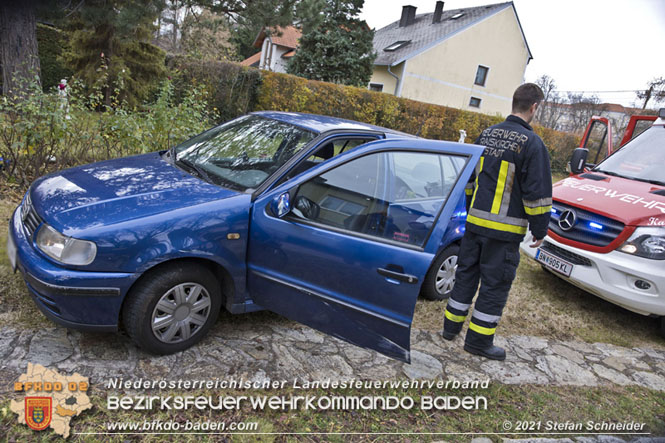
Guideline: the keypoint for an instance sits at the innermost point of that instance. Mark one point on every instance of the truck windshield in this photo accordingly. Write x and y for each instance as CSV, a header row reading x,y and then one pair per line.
x,y
242,153
643,158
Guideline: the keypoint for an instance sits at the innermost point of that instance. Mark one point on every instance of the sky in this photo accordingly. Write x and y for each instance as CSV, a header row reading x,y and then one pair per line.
x,y
584,45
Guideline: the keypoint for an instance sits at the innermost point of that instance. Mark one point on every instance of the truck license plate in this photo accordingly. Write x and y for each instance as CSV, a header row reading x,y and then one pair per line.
x,y
554,263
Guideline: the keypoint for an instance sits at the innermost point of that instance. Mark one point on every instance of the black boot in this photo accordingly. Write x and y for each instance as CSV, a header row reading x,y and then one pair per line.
x,y
449,335
493,352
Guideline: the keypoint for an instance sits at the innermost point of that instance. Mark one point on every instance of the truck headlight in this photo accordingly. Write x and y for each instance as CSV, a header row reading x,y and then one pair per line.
x,y
647,243
67,250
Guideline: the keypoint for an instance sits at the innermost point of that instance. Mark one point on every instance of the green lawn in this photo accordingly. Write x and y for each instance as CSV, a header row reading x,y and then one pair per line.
x,y
504,403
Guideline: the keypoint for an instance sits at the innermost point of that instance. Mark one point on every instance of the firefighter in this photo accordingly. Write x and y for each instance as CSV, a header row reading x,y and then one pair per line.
x,y
510,191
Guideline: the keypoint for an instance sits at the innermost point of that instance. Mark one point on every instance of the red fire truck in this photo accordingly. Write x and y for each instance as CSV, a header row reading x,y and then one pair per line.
x,y
607,231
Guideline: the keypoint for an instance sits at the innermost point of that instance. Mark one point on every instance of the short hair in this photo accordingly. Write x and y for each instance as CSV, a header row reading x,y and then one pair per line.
x,y
526,95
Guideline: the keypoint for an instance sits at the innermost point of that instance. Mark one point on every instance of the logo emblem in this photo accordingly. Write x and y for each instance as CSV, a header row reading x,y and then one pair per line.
x,y
567,220
38,412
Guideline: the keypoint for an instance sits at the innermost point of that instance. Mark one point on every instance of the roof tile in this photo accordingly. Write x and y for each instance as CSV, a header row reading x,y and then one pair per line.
x,y
423,33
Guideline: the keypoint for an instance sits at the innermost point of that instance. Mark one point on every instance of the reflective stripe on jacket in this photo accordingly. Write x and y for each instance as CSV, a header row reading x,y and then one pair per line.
x,y
512,184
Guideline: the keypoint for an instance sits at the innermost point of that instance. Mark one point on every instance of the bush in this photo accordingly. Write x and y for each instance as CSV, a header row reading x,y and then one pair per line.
x,y
283,92
231,89
560,144
42,133
38,134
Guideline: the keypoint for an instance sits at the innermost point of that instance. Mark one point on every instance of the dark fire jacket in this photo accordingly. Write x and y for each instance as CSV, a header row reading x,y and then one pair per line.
x,y
512,185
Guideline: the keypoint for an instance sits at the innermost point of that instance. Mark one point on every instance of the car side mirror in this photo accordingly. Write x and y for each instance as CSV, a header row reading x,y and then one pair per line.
x,y
281,205
578,160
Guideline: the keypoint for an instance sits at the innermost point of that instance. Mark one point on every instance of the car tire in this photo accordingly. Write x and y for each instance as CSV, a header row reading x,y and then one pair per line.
x,y
662,327
440,278
172,307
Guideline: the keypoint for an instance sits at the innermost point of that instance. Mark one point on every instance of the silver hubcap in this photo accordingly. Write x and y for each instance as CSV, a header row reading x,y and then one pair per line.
x,y
180,312
445,278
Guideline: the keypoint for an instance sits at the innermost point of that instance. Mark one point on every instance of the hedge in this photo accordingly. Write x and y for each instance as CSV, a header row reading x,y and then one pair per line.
x,y
230,89
283,92
235,90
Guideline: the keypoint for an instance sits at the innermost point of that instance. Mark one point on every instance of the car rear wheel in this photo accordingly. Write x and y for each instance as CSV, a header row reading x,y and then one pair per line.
x,y
662,326
440,278
172,308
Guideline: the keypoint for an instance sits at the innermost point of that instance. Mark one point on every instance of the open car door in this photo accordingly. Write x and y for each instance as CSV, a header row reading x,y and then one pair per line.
x,y
597,140
345,246
637,125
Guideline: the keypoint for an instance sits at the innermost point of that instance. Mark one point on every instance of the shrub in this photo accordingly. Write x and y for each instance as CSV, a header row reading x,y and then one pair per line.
x,y
38,134
230,89
41,133
283,92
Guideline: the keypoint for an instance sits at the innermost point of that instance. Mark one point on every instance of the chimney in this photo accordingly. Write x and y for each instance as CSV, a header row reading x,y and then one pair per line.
x,y
436,18
408,16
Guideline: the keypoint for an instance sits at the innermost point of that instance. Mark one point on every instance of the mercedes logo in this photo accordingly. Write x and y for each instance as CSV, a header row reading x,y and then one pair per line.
x,y
567,219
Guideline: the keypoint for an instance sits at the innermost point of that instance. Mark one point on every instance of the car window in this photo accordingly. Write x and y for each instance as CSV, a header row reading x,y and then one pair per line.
x,y
643,158
326,151
596,142
242,153
395,196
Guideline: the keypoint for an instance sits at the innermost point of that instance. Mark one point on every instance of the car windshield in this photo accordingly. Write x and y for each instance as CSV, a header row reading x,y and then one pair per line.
x,y
643,158
242,153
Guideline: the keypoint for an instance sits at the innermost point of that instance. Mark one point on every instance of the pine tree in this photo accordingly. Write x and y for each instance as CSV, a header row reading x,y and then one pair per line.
x,y
111,46
339,49
18,46
254,17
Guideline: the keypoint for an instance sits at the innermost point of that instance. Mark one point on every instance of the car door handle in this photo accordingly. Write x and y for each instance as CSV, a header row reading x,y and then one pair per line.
x,y
407,278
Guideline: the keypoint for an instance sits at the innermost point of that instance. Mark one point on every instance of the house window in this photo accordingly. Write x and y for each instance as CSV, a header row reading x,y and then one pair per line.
x,y
395,46
474,102
481,75
378,87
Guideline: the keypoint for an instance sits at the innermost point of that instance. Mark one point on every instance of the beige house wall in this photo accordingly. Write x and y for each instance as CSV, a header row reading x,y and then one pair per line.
x,y
383,77
445,74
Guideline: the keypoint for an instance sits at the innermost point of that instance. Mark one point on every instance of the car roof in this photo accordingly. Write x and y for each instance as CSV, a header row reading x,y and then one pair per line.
x,y
322,123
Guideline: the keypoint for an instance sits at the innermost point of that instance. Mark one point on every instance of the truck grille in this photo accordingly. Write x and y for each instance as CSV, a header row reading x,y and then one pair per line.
x,y
31,220
565,255
583,226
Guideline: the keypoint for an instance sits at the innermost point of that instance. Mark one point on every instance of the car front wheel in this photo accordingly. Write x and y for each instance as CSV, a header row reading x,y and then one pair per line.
x,y
440,279
172,308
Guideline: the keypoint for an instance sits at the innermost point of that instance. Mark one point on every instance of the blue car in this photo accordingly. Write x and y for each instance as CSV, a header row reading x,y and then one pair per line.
x,y
333,223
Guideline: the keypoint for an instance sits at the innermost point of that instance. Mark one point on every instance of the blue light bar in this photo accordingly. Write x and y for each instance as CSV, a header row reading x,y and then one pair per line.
x,y
595,225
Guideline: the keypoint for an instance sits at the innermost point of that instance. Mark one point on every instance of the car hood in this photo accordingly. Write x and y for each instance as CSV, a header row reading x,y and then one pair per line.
x,y
632,202
118,190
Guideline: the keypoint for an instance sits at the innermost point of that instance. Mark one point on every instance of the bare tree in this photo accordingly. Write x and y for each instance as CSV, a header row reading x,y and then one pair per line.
x,y
581,109
549,112
655,91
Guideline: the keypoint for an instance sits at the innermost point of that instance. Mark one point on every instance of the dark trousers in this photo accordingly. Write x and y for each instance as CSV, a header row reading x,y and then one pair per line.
x,y
493,263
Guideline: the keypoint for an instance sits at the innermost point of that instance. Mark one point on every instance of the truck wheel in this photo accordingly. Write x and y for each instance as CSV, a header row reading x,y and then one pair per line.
x,y
440,278
172,308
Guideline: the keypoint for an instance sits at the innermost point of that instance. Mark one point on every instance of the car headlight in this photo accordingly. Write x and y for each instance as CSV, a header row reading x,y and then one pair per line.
x,y
646,242
68,250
